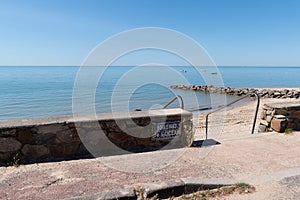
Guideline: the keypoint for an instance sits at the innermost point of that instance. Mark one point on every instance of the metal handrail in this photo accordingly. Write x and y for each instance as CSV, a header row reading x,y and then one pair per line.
x,y
233,102
172,100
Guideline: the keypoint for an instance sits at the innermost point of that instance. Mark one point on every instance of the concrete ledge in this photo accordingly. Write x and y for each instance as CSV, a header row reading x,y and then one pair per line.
x,y
284,105
12,123
162,189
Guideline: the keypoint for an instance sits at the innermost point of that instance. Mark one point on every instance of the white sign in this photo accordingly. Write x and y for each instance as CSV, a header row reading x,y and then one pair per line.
x,y
167,130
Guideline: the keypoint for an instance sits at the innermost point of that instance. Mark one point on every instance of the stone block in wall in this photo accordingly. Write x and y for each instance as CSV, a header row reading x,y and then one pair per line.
x,y
282,111
264,122
98,144
65,150
278,125
262,128
297,127
118,137
296,114
35,151
9,145
44,138
263,114
291,125
71,149
140,132
128,144
90,135
10,132
25,136
67,136
81,150
113,126
6,157
296,122
144,142
57,151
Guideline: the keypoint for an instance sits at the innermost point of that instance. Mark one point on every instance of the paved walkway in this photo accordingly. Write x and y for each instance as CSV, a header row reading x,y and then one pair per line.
x,y
270,162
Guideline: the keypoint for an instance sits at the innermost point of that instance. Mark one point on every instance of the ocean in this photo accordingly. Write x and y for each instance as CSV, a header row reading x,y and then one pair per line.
x,y
32,91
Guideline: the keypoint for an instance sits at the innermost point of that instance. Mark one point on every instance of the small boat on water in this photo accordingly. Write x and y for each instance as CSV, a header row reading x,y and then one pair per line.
x,y
183,71
214,73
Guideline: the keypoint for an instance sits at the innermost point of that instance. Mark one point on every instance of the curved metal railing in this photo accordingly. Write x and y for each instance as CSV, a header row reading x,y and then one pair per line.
x,y
231,103
174,99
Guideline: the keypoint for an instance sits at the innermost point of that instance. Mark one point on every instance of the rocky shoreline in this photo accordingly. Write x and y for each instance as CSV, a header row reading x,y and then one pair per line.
x,y
262,92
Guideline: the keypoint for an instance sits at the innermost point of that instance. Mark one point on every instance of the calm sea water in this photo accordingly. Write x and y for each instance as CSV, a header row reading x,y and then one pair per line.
x,y
27,92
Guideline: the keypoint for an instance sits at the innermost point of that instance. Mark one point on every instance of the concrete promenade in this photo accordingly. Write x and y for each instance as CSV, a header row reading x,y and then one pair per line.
x,y
270,162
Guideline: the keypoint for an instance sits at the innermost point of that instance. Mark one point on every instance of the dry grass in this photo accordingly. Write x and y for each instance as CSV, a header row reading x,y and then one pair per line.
x,y
239,188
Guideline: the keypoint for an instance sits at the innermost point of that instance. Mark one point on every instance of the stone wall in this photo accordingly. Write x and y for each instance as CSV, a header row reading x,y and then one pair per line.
x,y
280,116
45,139
265,93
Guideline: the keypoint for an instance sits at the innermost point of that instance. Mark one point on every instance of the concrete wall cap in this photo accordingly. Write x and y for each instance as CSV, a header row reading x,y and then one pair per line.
x,y
12,123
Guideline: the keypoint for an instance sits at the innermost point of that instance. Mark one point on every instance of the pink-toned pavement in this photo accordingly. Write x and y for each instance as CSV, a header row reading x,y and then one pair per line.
x,y
270,162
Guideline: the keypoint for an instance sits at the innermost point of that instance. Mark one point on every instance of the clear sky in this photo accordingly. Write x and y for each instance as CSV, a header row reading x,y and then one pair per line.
x,y
234,32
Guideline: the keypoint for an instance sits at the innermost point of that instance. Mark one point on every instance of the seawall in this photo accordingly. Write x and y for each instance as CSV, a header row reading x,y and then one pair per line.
x,y
55,138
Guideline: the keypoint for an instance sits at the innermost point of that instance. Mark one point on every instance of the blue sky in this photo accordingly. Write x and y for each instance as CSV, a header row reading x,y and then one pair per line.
x,y
234,32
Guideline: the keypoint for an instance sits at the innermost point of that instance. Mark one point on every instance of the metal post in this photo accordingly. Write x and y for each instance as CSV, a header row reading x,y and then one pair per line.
x,y
256,111
206,127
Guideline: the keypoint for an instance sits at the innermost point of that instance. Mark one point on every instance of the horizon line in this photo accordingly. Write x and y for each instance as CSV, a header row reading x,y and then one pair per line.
x,y
135,65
